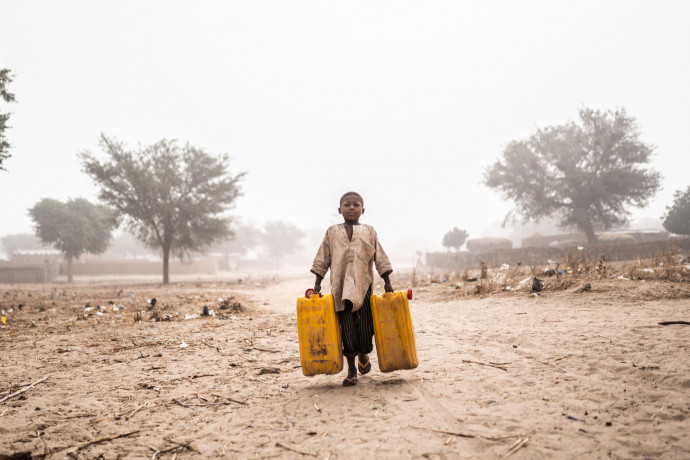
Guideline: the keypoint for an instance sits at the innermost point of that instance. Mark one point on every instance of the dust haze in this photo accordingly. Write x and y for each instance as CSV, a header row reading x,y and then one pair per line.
x,y
168,170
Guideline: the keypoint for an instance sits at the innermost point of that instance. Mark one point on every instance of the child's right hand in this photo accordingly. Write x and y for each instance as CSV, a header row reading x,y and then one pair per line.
x,y
317,284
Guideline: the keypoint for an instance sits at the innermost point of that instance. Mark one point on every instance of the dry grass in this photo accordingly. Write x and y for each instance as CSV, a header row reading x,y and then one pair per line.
x,y
576,270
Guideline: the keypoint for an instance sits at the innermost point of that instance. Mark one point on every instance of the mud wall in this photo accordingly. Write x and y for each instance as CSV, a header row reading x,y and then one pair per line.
x,y
541,256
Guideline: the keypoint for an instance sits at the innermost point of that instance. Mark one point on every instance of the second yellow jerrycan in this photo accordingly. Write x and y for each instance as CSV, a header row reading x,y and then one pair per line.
x,y
318,328
396,347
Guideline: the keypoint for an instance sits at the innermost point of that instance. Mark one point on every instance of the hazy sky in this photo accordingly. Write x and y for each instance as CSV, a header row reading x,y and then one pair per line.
x,y
405,102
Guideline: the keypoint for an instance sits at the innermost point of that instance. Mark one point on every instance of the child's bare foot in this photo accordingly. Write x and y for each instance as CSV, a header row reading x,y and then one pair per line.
x,y
363,364
351,379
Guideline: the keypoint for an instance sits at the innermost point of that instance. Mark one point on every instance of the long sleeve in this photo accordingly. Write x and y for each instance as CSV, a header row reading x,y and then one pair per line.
x,y
383,264
322,261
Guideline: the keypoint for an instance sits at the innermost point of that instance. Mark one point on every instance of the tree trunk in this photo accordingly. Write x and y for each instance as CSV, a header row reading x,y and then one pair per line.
x,y
589,232
69,269
166,259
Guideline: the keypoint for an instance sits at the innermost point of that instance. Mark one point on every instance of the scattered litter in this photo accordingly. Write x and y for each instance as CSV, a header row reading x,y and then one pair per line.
x,y
269,370
207,312
226,304
118,316
586,288
524,282
183,345
188,316
3,319
537,284
505,267
623,278
99,313
88,309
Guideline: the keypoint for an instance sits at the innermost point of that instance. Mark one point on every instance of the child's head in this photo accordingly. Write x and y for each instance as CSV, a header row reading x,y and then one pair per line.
x,y
351,207
352,195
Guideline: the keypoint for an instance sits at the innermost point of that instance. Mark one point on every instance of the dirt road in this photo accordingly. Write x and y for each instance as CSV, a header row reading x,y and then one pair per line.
x,y
563,374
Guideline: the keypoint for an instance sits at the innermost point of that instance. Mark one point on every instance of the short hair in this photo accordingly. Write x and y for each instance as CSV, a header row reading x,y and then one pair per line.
x,y
342,198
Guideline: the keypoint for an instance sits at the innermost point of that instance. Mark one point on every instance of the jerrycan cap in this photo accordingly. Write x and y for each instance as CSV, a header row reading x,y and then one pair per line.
x,y
310,292
409,294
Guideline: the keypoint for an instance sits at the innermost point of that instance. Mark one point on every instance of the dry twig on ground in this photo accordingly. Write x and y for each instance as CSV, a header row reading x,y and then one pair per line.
x,y
22,390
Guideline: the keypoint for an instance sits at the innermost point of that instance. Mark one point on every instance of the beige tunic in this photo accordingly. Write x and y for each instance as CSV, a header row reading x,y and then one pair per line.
x,y
350,262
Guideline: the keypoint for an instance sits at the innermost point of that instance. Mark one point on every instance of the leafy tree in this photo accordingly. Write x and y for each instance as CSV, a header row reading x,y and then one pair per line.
x,y
243,238
5,79
586,174
19,241
677,217
281,239
455,238
74,227
173,198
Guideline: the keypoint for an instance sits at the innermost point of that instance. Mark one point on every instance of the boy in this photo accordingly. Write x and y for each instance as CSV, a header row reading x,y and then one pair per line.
x,y
350,250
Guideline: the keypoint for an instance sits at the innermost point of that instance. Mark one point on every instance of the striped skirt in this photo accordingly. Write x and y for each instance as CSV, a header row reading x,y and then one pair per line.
x,y
357,328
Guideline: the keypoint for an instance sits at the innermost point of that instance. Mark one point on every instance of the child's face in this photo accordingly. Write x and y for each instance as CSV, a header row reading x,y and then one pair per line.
x,y
351,208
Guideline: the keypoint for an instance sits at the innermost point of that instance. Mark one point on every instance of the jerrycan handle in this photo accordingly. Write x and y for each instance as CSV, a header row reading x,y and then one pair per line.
x,y
310,292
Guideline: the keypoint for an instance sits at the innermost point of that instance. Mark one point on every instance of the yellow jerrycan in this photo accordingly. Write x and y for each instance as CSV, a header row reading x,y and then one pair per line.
x,y
318,328
396,347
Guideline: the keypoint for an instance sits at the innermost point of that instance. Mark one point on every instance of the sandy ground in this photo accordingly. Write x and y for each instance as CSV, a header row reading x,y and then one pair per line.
x,y
559,375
